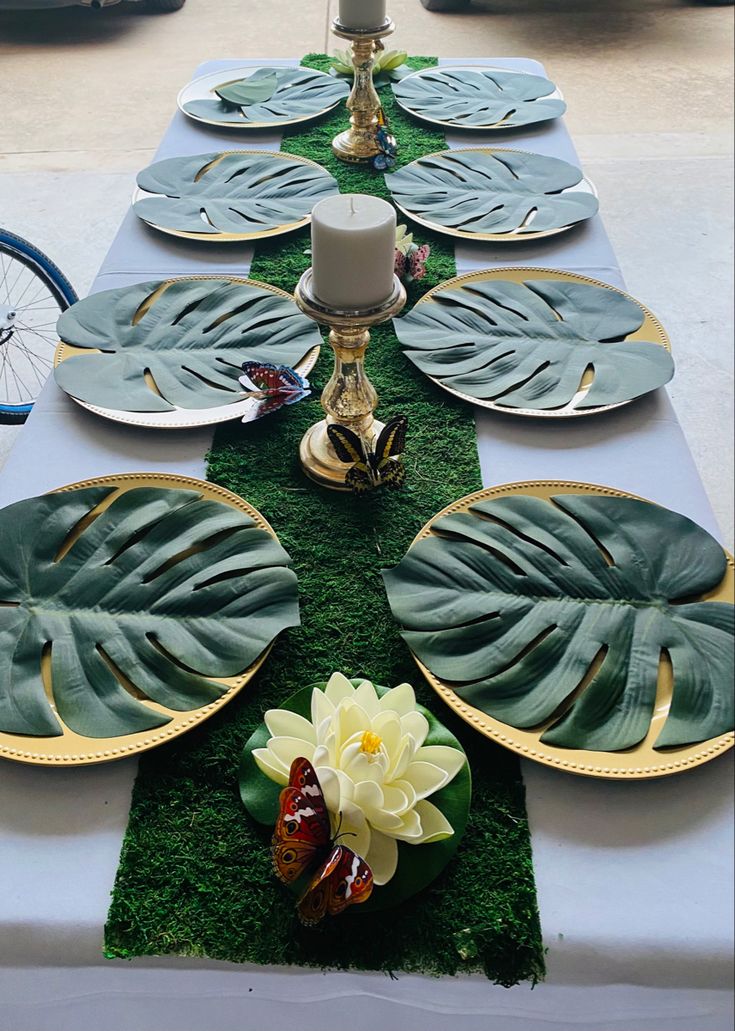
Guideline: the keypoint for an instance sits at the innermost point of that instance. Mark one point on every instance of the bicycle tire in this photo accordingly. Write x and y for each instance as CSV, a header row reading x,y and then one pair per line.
x,y
50,275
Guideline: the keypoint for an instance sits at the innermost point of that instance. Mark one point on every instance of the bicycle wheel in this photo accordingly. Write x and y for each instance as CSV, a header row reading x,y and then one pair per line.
x,y
33,293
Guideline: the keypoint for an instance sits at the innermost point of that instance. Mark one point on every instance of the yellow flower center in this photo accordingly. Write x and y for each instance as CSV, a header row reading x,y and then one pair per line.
x,y
370,743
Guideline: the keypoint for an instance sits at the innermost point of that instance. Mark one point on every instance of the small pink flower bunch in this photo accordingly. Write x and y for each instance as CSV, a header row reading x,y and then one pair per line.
x,y
410,257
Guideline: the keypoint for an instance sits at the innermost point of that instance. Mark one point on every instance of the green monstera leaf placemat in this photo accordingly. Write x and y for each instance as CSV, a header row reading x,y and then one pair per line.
x,y
133,595
532,344
479,193
234,195
264,97
478,98
189,336
554,613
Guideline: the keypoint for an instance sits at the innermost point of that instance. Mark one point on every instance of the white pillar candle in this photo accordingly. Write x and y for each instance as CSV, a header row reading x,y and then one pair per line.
x,y
361,14
353,246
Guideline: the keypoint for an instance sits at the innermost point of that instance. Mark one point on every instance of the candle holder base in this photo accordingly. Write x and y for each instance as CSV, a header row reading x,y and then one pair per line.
x,y
356,147
318,458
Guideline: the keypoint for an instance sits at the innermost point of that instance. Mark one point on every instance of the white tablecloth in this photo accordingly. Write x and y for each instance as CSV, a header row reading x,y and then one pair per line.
x,y
634,880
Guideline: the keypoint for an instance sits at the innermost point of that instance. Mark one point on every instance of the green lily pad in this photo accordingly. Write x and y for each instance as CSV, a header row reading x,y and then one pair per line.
x,y
271,96
506,191
157,593
240,193
528,345
418,865
514,601
478,98
192,337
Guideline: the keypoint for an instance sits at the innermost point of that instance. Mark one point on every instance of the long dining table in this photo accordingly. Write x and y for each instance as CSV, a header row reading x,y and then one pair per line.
x,y
634,879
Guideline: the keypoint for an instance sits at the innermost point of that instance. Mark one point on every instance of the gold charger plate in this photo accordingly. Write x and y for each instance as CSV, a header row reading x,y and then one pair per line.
x,y
184,418
72,749
651,330
203,88
490,127
583,186
642,762
181,234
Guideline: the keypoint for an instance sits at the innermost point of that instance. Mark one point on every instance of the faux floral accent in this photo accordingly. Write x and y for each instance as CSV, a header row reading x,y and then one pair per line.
x,y
374,769
410,257
389,65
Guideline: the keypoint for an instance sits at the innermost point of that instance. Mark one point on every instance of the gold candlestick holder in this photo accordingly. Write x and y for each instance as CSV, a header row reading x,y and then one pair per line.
x,y
357,144
349,398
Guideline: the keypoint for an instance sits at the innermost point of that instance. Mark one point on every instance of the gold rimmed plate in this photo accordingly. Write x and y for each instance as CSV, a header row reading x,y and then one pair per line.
x,y
640,762
232,196
176,418
493,194
74,749
299,95
650,332
451,96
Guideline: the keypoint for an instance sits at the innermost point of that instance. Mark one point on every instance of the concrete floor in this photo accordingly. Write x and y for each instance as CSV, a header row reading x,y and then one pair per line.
x,y
86,95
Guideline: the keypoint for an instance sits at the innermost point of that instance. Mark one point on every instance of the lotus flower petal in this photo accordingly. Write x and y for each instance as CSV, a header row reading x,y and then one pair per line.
x,y
401,699
382,856
417,725
338,687
271,766
425,778
289,748
448,759
283,723
434,824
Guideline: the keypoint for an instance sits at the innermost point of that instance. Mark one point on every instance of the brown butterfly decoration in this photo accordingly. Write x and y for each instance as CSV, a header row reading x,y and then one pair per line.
x,y
380,466
302,843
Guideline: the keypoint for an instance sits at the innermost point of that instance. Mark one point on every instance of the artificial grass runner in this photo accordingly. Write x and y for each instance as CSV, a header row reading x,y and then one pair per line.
x,y
195,874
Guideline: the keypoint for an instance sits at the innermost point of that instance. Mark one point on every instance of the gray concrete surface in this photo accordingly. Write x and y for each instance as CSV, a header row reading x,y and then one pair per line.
x,y
86,95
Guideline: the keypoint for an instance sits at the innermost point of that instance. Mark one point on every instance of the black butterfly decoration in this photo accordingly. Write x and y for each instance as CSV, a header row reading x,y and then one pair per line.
x,y
373,467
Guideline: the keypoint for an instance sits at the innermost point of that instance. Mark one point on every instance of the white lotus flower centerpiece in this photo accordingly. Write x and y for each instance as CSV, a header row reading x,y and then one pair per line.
x,y
373,766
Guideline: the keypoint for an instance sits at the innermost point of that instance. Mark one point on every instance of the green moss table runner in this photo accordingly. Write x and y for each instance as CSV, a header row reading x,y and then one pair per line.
x,y
195,875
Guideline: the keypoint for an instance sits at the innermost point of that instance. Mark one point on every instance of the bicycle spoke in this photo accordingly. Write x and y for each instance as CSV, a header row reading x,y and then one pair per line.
x,y
5,278
14,286
40,372
25,290
49,343
18,341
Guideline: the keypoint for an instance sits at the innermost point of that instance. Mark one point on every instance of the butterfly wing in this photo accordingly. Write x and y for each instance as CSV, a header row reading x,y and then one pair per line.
x,y
346,443
392,439
360,478
302,833
272,379
417,261
391,473
343,880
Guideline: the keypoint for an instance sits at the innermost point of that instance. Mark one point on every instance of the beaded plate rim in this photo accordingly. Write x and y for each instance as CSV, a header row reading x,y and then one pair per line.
x,y
191,90
630,764
506,126
585,185
184,418
72,749
518,273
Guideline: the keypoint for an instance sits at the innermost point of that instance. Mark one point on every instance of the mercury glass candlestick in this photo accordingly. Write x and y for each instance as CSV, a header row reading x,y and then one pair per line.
x,y
349,398
357,145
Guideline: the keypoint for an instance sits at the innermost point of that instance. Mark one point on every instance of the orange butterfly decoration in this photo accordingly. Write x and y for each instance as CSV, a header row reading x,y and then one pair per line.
x,y
302,843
